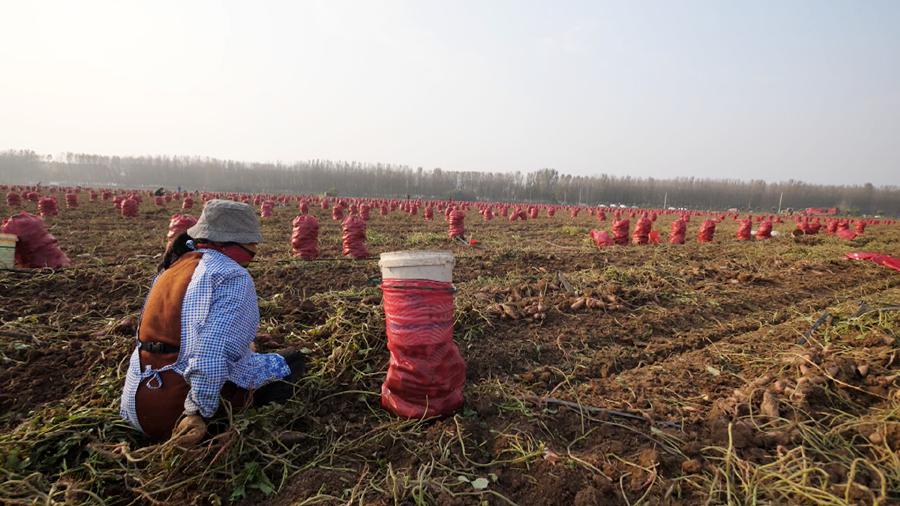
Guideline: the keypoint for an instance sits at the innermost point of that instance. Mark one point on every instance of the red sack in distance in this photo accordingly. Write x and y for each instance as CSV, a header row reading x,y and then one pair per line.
x,y
764,231
354,237
129,207
846,234
178,224
48,206
620,231
641,233
305,237
677,232
707,231
456,220
743,231
601,238
426,372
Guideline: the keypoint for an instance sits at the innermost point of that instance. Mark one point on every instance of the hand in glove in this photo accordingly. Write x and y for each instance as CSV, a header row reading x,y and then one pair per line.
x,y
189,431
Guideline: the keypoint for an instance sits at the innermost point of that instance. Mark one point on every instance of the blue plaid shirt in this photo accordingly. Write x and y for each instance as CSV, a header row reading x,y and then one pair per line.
x,y
219,320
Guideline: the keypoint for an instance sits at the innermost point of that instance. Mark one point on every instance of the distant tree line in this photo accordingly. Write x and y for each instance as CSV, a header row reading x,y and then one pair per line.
x,y
385,180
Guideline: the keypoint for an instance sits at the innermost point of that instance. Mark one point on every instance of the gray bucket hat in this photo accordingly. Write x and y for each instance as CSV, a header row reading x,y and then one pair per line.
x,y
227,221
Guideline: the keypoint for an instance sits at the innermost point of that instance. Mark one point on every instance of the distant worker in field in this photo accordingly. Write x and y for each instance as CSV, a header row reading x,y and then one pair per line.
x,y
195,340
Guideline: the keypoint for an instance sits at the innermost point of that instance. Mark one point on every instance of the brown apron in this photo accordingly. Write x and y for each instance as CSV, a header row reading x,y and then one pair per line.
x,y
160,407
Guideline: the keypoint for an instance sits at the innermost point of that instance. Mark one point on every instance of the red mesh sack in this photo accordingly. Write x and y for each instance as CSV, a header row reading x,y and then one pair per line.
x,y
364,211
303,207
71,200
159,201
178,224
860,227
385,209
48,206
187,203
428,213
457,226
677,232
305,237
743,231
573,212
641,233
488,214
846,234
764,231
551,212
601,216
13,199
36,247
533,212
426,372
337,213
707,231
620,231
884,260
129,208
354,237
266,210
601,238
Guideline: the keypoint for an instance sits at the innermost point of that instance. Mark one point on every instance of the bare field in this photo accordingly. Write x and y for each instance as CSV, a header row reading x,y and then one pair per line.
x,y
703,344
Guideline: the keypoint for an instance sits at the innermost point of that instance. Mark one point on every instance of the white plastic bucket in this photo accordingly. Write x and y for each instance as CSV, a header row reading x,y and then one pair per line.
x,y
7,251
432,265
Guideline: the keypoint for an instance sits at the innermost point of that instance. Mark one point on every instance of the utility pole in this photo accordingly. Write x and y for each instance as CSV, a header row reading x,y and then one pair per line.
x,y
665,201
779,202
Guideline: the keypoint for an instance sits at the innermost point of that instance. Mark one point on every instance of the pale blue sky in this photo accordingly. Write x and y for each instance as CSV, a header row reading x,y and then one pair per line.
x,y
764,89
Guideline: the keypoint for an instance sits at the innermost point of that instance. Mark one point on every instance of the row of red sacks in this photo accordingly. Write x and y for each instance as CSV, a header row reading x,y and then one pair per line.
x,y
486,209
338,207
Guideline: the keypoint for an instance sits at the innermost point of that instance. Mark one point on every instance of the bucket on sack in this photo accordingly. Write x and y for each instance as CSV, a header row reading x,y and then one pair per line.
x,y
426,372
433,265
8,251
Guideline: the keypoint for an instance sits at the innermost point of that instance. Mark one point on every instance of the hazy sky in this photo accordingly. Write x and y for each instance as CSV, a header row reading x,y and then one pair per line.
x,y
754,89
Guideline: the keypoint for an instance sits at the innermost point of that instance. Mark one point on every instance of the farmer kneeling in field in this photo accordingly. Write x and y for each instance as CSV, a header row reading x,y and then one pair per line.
x,y
196,333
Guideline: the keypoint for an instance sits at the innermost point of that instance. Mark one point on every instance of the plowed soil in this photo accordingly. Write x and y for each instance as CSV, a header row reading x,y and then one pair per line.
x,y
687,340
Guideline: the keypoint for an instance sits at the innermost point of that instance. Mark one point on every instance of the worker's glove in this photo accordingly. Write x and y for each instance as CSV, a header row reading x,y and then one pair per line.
x,y
189,431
